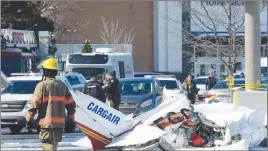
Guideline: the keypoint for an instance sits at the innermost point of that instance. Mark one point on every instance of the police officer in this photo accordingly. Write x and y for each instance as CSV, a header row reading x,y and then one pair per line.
x,y
113,90
50,99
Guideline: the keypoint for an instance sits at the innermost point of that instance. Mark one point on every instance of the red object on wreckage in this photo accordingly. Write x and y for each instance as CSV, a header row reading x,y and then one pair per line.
x,y
197,140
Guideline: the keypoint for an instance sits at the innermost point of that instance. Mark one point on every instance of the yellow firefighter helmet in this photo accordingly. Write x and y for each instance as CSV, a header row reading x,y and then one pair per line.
x,y
50,64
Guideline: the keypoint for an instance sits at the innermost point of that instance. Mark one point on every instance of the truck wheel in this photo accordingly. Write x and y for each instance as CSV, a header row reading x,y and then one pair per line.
x,y
15,129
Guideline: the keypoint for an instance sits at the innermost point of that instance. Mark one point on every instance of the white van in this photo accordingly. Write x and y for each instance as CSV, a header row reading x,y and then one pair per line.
x,y
100,62
15,99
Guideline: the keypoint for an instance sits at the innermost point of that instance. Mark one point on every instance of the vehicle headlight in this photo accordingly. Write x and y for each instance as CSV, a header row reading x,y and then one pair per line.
x,y
28,105
146,103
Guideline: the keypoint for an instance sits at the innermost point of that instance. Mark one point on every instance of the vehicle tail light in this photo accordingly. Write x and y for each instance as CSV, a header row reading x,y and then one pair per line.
x,y
208,96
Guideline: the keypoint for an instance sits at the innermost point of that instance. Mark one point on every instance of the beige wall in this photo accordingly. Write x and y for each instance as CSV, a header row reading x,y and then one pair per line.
x,y
85,17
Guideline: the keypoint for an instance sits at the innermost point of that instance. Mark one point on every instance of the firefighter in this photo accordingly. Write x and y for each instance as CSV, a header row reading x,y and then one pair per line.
x,y
50,99
113,91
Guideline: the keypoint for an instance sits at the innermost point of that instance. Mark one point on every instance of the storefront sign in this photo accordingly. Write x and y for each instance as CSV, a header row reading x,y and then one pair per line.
x,y
222,3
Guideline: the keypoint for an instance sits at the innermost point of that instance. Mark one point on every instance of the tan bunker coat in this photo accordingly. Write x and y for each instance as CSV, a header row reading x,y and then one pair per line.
x,y
50,99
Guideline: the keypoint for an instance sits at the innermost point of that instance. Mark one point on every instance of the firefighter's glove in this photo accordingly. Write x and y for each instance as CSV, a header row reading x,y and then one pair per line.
x,y
29,126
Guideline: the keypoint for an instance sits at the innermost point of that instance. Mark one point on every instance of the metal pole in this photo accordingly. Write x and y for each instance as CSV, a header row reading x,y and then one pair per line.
x,y
194,64
252,44
267,34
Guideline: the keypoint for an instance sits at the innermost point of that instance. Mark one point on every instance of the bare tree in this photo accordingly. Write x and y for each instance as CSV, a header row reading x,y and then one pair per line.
x,y
115,35
212,18
231,19
59,11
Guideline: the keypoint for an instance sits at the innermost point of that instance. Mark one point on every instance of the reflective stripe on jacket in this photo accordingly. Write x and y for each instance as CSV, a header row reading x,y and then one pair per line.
x,y
50,99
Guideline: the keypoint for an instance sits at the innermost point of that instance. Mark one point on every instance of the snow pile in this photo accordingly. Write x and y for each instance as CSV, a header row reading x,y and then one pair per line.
x,y
236,114
140,135
241,145
237,120
213,108
137,136
84,142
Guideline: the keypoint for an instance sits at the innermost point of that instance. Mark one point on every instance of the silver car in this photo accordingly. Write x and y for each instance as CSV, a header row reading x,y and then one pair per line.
x,y
201,85
221,92
139,95
76,80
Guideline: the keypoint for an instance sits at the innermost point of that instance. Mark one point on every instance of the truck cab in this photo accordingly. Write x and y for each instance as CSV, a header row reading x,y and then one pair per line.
x,y
19,49
17,62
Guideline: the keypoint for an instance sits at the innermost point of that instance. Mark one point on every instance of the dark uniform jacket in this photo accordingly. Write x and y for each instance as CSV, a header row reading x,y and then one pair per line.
x,y
191,91
211,82
50,99
113,90
94,89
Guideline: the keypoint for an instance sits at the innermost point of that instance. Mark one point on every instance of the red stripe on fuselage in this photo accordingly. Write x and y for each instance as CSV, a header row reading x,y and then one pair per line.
x,y
96,143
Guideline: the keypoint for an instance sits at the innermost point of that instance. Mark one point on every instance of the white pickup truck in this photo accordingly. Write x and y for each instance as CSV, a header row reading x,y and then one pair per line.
x,y
15,99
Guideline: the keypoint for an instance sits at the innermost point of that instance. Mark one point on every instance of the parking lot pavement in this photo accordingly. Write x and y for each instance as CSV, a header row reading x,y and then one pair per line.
x,y
25,141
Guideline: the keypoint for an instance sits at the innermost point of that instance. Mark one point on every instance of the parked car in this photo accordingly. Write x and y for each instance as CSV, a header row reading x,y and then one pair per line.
x,y
15,100
201,85
77,80
143,74
221,92
139,95
168,81
238,82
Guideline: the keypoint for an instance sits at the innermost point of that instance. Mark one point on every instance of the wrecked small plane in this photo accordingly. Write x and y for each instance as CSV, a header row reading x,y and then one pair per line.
x,y
174,124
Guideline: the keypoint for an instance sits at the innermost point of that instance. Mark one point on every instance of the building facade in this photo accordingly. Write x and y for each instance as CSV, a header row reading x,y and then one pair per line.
x,y
226,18
158,42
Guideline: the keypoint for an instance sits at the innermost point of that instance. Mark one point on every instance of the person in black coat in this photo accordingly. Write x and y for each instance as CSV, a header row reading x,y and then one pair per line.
x,y
94,89
191,89
100,79
113,90
211,82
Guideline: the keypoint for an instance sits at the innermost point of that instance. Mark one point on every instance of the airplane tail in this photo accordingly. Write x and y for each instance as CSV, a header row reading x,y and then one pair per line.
x,y
99,122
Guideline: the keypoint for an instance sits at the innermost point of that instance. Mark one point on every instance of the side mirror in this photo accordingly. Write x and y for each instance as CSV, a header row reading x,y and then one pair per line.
x,y
198,89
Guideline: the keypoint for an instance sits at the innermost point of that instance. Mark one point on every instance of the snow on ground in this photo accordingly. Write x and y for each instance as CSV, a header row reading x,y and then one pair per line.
x,y
26,141
134,137
214,107
83,142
